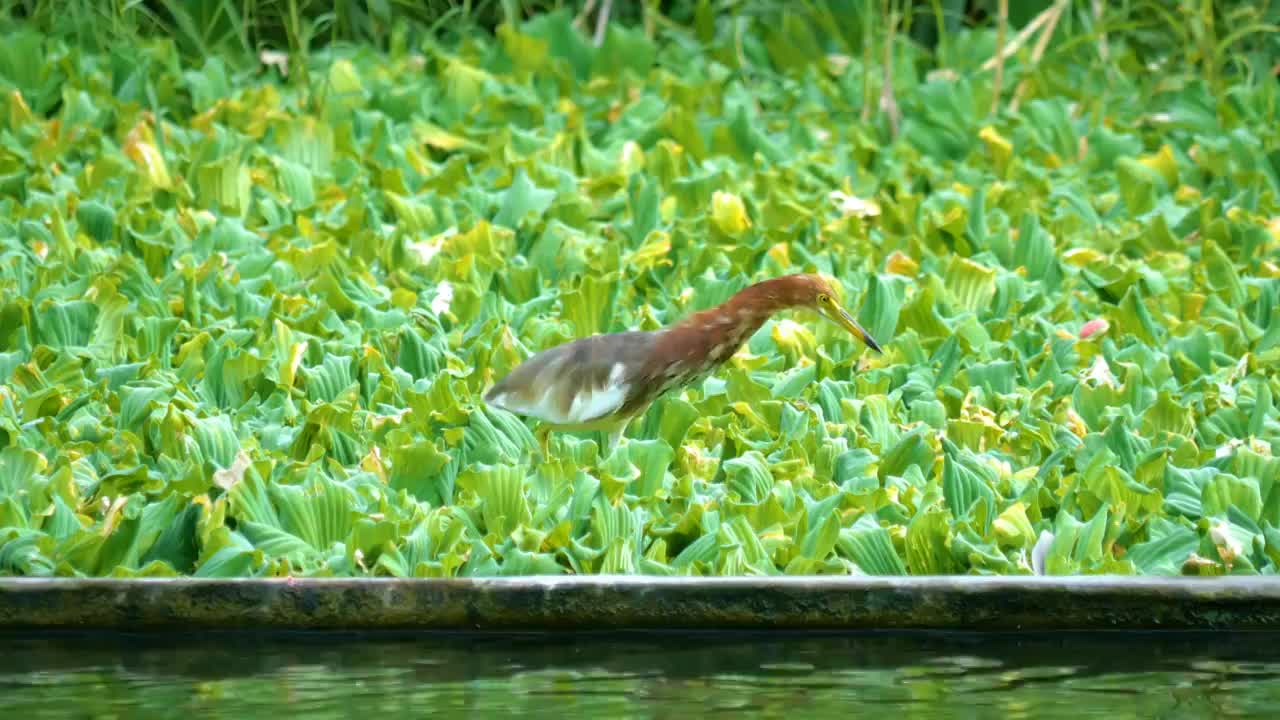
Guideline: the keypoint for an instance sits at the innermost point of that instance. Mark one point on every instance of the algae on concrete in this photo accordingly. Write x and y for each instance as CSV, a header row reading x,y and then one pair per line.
x,y
630,602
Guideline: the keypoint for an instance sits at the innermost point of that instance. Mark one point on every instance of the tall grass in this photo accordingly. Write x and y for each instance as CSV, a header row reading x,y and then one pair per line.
x,y
1220,39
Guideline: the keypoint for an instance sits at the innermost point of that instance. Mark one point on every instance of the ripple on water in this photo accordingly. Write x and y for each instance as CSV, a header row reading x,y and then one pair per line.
x,y
652,678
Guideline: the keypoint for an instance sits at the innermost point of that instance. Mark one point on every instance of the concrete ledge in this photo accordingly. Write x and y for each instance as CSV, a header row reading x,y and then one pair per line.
x,y
640,602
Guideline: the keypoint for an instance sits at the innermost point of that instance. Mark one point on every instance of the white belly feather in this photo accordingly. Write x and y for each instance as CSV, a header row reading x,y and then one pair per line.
x,y
590,403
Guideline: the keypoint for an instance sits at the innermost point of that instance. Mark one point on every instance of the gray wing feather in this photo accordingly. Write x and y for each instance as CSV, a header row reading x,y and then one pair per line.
x,y
578,381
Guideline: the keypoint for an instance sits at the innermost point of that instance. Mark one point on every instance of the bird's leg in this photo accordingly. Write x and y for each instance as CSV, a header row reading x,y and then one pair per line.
x,y
543,434
615,436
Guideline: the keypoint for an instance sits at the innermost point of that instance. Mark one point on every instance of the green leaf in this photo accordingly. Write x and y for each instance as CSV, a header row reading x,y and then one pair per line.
x,y
321,514
1077,547
881,309
521,200
970,285
274,542
1167,550
66,325
1226,492
296,183
1033,249
1263,409
928,544
963,482
500,489
912,450
651,458
177,544
418,467
624,49
869,546
97,220
821,539
749,476
1139,185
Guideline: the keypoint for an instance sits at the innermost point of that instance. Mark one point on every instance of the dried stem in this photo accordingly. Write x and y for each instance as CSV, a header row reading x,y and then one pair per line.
x,y
866,71
1001,31
1041,45
738,24
581,20
1018,40
602,22
1103,51
888,103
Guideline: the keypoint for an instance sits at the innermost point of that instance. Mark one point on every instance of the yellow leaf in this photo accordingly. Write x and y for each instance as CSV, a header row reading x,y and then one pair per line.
x,y
139,145
793,339
1076,424
631,159
667,208
463,82
560,537
528,53
653,253
1001,149
745,409
781,254
900,264
372,463
1163,162
1192,305
205,120
343,78
1080,257
729,213
111,512
403,298
441,139
19,112
1013,528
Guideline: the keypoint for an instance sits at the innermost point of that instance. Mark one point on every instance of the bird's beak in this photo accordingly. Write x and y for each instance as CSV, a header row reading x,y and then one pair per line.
x,y
846,321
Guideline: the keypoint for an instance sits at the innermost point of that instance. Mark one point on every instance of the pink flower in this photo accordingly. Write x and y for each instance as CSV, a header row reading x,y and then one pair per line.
x,y
1096,325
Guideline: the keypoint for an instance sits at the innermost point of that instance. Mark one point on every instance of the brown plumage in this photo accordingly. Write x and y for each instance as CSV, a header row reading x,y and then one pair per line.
x,y
602,382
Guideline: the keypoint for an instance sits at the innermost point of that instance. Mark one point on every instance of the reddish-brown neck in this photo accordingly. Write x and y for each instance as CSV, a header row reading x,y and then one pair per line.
x,y
713,335
751,306
768,296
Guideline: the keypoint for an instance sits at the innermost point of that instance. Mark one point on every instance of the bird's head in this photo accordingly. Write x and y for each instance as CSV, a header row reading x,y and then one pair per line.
x,y
815,293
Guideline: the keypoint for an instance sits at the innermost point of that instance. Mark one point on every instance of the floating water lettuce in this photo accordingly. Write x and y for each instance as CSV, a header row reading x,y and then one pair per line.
x,y
245,324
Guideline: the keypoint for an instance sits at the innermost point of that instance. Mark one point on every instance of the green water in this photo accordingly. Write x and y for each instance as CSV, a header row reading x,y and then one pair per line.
x,y
641,675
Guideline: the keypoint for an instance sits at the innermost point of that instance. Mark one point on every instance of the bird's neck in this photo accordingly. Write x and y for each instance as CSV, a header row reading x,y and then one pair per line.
x,y
719,331
762,299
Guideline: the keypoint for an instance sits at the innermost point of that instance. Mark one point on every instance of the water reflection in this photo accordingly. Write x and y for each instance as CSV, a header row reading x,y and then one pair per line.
x,y
641,675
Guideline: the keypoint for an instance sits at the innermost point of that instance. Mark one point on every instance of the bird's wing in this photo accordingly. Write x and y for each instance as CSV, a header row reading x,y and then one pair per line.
x,y
576,383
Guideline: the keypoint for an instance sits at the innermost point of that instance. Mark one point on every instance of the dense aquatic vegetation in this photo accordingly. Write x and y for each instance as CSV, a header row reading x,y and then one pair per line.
x,y
246,317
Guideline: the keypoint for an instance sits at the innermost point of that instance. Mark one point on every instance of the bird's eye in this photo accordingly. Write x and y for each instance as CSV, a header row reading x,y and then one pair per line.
x,y
824,299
